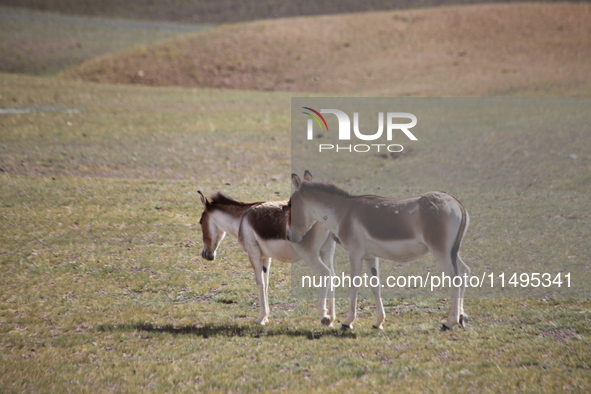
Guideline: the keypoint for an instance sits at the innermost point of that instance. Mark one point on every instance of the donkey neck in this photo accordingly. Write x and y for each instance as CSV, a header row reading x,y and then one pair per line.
x,y
228,217
329,209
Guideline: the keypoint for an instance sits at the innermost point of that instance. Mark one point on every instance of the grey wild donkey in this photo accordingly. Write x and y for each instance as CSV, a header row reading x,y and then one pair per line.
x,y
371,227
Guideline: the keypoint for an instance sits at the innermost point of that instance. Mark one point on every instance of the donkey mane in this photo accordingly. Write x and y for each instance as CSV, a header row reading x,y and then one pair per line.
x,y
223,199
328,188
333,190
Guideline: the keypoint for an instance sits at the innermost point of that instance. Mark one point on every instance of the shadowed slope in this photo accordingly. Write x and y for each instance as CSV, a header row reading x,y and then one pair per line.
x,y
227,11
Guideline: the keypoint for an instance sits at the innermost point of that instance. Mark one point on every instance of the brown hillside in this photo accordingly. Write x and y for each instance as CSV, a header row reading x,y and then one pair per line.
x,y
472,50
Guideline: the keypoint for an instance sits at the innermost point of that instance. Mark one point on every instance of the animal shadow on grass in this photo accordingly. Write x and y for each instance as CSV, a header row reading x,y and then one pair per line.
x,y
226,330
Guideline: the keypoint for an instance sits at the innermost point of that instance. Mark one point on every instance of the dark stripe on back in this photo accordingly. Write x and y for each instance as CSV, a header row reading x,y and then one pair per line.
x,y
269,221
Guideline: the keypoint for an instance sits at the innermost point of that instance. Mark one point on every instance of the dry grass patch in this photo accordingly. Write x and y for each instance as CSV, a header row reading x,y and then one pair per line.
x,y
541,49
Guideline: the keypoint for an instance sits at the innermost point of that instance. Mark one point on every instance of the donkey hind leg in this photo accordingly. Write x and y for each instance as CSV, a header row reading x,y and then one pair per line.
x,y
373,270
261,278
327,256
445,264
463,269
355,264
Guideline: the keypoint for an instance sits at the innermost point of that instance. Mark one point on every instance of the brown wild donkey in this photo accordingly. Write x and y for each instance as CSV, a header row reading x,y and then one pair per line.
x,y
260,228
370,227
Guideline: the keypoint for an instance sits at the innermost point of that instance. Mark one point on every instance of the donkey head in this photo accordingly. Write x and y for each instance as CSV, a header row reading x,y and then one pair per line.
x,y
300,219
212,233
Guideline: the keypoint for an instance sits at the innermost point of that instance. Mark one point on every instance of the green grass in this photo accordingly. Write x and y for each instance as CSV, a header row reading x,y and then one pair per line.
x,y
33,42
145,133
102,287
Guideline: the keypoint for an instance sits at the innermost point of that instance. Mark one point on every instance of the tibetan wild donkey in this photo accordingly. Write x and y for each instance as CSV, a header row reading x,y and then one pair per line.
x,y
260,228
370,227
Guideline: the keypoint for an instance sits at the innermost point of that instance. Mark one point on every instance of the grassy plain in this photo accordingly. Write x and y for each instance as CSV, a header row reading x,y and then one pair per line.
x,y
103,288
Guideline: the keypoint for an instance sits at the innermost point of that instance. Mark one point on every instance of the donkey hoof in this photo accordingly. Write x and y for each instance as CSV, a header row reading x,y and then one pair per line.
x,y
326,321
345,327
377,327
463,320
444,327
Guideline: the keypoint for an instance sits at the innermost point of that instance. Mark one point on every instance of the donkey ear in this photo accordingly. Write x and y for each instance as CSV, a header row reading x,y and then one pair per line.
x,y
308,176
297,182
202,197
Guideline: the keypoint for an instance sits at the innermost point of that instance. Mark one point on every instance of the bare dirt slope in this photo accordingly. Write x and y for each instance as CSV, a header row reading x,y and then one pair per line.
x,y
473,50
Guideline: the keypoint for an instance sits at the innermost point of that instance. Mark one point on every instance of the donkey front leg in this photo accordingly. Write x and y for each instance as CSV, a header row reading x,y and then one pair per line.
x,y
327,256
325,273
260,274
355,264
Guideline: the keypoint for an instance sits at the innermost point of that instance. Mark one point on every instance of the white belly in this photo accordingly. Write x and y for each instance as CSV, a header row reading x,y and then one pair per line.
x,y
278,249
399,251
